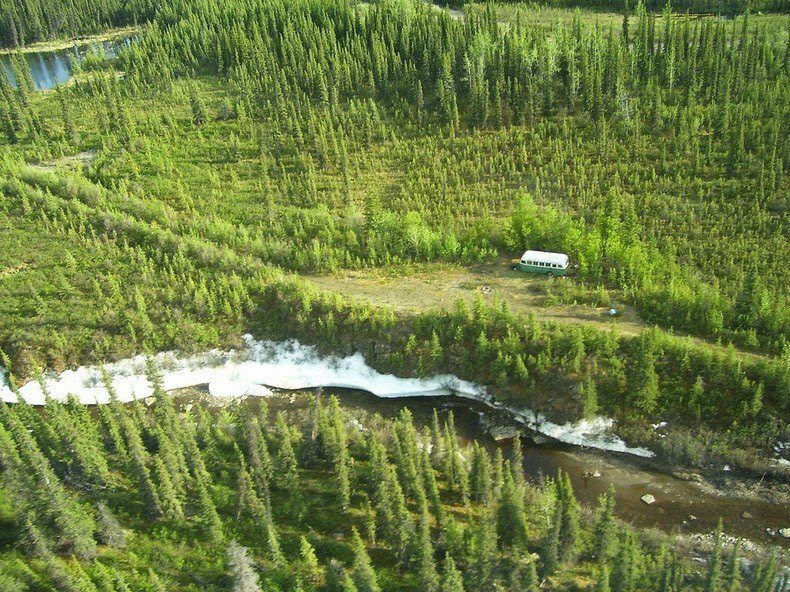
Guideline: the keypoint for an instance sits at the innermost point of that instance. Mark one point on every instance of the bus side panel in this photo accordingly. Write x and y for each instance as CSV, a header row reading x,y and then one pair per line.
x,y
541,270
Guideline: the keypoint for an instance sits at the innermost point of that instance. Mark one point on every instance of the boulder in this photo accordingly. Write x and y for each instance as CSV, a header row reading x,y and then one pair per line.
x,y
539,439
746,515
499,432
785,532
648,498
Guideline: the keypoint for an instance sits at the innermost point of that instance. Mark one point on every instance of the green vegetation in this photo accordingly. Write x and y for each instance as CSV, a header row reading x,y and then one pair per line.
x,y
241,144
184,193
709,7
177,497
27,21
656,163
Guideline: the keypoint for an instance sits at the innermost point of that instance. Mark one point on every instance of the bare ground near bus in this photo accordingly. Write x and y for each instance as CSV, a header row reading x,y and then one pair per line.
x,y
436,286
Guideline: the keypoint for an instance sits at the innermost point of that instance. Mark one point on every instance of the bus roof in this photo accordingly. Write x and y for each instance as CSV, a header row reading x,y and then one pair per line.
x,y
546,257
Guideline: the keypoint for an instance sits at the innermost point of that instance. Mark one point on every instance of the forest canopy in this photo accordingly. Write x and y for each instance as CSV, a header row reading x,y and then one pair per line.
x,y
191,190
239,155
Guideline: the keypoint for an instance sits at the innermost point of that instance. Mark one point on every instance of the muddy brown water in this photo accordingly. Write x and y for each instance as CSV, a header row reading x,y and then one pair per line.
x,y
680,506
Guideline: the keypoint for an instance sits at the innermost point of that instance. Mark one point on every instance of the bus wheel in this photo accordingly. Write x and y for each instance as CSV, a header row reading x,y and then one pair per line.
x,y
550,274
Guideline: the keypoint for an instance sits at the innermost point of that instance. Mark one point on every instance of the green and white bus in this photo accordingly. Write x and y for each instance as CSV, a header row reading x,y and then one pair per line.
x,y
544,262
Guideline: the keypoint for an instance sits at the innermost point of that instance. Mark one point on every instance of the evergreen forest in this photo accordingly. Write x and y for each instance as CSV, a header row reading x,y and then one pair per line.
x,y
244,166
189,496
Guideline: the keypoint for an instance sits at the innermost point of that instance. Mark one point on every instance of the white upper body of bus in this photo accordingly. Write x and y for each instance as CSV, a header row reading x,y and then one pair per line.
x,y
532,257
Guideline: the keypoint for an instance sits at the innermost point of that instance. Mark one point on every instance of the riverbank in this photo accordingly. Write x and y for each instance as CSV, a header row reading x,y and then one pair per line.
x,y
681,508
589,451
59,44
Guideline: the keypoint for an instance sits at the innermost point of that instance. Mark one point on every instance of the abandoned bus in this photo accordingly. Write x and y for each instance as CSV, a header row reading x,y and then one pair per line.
x,y
543,262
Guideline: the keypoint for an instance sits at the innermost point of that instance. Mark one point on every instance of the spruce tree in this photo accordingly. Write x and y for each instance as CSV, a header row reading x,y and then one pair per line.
x,y
312,573
480,474
139,460
602,585
430,486
199,113
249,504
524,577
242,569
426,571
765,576
362,573
340,453
286,456
156,582
168,497
569,525
733,571
551,555
437,440
259,459
605,528
451,577
209,517
713,582
589,395
481,554
627,564
273,541
511,516
347,582
110,531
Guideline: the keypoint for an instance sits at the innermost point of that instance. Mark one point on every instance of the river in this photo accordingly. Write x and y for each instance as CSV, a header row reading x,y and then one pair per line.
x,y
680,507
49,69
284,373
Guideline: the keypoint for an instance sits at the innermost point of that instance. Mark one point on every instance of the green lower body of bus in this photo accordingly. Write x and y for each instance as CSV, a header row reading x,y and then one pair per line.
x,y
542,270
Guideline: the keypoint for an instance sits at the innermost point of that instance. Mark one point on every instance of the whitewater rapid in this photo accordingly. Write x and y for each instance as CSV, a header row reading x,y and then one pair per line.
x,y
261,365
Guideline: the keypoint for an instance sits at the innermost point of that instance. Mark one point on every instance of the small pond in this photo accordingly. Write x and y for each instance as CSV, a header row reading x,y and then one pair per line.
x,y
51,68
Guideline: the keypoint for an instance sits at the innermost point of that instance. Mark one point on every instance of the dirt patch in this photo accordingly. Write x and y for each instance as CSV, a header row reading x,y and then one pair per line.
x,y
74,161
14,269
439,286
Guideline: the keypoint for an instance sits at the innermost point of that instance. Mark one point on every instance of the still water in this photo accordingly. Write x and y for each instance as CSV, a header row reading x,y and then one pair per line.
x,y
51,68
680,507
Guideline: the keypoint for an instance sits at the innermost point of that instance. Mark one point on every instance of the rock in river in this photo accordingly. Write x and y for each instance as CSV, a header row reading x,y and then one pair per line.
x,y
648,499
499,432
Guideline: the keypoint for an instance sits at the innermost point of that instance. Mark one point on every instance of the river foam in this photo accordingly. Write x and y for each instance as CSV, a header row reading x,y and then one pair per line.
x,y
261,365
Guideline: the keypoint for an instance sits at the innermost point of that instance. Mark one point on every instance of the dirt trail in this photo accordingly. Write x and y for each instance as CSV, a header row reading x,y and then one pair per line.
x,y
438,286
73,161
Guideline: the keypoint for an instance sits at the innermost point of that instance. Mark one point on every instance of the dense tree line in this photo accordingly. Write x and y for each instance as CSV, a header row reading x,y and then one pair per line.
x,y
652,375
28,21
180,300
716,90
235,499
718,7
